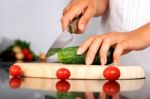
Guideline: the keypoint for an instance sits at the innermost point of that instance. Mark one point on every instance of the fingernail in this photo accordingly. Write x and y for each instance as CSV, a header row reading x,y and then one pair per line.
x,y
79,51
64,29
115,62
81,27
103,61
65,26
88,61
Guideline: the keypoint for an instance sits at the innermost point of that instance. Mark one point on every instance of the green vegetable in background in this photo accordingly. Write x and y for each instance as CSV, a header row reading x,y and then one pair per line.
x,y
19,51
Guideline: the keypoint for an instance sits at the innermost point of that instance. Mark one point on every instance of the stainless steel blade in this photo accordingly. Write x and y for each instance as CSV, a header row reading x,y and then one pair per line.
x,y
64,38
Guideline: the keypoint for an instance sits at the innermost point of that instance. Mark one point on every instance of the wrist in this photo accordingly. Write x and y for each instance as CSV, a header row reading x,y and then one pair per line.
x,y
141,36
102,6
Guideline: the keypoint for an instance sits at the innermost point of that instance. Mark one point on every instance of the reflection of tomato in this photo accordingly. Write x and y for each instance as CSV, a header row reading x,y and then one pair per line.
x,y
62,86
111,73
15,82
15,70
111,88
63,73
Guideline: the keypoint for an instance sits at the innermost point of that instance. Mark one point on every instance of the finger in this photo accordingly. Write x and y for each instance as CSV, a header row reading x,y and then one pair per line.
x,y
78,97
118,52
88,14
66,10
67,17
64,23
79,13
104,50
89,95
116,96
71,13
68,6
102,95
126,51
93,50
85,45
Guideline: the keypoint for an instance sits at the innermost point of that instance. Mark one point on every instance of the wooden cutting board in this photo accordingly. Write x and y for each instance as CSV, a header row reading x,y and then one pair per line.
x,y
48,70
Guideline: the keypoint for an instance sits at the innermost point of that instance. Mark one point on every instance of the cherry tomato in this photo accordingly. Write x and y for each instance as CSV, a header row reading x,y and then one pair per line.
x,y
15,82
62,86
15,70
25,51
111,88
63,73
29,56
111,73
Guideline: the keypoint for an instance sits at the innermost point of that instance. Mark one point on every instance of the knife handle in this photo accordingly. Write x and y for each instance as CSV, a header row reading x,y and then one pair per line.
x,y
73,26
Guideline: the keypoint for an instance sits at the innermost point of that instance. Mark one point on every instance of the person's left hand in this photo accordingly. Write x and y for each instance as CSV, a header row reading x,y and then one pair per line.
x,y
122,42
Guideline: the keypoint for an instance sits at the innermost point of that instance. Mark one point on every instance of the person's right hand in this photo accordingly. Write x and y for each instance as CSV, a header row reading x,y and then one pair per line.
x,y
77,7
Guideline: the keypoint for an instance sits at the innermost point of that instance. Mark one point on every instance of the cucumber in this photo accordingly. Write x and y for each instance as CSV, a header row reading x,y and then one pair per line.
x,y
74,95
68,56
65,95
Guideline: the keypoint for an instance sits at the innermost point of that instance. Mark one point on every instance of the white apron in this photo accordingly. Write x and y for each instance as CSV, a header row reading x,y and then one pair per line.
x,y
126,15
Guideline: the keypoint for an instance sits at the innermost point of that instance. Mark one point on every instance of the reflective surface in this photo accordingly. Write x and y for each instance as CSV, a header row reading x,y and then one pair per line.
x,y
36,88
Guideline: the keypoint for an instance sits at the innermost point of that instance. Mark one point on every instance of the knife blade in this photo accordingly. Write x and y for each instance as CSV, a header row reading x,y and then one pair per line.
x,y
64,38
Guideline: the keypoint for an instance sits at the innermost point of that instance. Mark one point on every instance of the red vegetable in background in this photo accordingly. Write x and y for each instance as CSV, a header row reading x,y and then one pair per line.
x,y
29,56
25,51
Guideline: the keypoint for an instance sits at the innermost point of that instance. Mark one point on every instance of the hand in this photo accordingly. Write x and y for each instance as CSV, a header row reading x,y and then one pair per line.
x,y
122,42
77,7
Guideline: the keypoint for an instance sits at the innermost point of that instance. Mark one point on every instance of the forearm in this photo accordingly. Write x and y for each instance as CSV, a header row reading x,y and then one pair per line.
x,y
102,6
144,33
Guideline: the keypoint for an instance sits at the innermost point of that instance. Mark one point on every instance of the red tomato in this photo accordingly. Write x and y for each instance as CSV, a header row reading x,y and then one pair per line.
x,y
15,70
62,86
29,56
63,73
111,73
15,82
25,51
111,88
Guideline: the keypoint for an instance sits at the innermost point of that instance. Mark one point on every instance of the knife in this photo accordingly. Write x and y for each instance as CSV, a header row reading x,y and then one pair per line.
x,y
64,38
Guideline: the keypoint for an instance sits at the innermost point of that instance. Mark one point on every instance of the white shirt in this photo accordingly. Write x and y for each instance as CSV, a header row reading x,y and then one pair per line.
x,y
127,15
